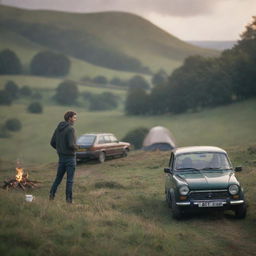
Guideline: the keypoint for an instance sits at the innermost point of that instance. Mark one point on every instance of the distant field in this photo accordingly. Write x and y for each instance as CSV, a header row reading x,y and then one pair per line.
x,y
227,126
50,84
119,209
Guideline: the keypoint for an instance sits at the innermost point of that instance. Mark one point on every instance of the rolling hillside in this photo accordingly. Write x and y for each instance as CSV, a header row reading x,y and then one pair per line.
x,y
98,37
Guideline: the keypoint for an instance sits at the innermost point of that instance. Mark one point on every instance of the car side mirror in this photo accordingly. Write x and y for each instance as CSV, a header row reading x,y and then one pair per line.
x,y
168,170
238,169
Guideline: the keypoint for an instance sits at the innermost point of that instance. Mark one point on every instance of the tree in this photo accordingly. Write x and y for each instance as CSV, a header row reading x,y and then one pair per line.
x,y
100,80
103,101
136,101
118,81
9,62
12,88
48,63
138,82
160,78
136,136
35,107
67,92
245,52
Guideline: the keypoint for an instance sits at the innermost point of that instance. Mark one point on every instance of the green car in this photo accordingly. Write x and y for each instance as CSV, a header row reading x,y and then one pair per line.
x,y
200,178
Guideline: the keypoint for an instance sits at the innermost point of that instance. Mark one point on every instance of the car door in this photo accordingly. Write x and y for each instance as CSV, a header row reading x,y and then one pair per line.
x,y
108,146
169,176
117,147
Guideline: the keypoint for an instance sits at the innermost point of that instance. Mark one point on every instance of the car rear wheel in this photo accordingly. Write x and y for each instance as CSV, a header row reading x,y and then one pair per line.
x,y
240,211
102,157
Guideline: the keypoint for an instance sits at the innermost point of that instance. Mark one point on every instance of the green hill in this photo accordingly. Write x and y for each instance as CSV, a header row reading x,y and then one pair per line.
x,y
112,39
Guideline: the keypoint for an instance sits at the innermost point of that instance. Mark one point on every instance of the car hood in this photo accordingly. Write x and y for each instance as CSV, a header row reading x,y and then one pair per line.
x,y
207,179
84,145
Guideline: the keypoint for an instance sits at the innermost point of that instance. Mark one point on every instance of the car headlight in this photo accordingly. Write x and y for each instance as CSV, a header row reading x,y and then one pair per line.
x,y
233,189
184,190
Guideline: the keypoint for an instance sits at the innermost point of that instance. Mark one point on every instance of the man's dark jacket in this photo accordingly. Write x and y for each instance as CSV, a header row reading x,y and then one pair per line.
x,y
64,139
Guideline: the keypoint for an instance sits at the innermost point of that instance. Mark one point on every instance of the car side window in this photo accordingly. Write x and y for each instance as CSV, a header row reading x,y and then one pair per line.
x,y
107,139
113,138
101,140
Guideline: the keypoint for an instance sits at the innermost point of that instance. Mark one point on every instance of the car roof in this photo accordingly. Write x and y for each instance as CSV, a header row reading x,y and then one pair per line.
x,y
96,134
194,149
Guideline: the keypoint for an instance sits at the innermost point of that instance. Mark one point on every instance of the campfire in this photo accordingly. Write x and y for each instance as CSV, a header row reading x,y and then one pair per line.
x,y
21,181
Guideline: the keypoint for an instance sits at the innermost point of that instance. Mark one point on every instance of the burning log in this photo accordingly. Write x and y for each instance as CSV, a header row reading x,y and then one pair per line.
x,y
21,181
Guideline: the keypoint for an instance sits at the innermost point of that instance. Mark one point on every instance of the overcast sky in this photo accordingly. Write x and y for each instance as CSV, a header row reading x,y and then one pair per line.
x,y
186,19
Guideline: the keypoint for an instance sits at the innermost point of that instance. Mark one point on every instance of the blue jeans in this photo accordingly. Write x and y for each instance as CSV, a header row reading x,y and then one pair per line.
x,y
66,164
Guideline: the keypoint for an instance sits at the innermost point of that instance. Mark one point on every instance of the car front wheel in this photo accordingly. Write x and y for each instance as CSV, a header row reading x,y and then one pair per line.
x,y
125,152
176,211
240,211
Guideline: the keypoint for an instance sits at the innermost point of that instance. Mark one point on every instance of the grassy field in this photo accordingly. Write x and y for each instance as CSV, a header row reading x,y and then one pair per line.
x,y
232,125
119,206
119,209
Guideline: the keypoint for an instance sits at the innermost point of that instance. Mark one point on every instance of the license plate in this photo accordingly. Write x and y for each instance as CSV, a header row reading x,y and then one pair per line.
x,y
210,204
81,150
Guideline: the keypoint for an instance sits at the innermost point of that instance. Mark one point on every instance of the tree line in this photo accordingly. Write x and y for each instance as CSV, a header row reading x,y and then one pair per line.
x,y
44,63
201,82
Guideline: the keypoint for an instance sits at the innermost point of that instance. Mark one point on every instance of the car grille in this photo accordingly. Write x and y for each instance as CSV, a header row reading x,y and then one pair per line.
x,y
208,195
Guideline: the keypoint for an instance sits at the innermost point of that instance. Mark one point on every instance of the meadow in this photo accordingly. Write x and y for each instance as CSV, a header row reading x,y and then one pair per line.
x,y
119,209
119,206
226,126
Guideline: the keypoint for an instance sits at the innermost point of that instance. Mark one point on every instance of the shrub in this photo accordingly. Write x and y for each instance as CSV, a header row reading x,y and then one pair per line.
x,y
25,90
48,63
100,80
87,95
9,62
118,81
136,137
12,89
67,93
35,107
13,125
103,101
138,82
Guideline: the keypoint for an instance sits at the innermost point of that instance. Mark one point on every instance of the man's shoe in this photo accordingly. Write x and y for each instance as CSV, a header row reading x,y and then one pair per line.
x,y
51,197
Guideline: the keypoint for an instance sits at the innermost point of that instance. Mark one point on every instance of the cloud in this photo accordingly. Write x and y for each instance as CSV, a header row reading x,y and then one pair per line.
x,y
161,7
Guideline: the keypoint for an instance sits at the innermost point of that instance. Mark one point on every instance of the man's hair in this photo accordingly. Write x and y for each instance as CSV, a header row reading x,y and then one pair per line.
x,y
69,114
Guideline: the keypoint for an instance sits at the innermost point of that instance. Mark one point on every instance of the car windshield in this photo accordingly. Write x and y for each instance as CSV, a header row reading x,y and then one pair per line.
x,y
202,161
86,140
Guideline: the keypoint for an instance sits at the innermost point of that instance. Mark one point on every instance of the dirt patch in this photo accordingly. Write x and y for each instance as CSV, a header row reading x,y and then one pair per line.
x,y
108,184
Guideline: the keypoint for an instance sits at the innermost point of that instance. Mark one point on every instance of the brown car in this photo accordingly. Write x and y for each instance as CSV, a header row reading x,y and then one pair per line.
x,y
99,146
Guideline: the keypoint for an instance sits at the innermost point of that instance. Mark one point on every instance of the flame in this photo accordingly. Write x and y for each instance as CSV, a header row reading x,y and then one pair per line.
x,y
19,174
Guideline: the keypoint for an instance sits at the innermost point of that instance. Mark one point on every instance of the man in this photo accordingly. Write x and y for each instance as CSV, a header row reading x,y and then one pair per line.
x,y
64,141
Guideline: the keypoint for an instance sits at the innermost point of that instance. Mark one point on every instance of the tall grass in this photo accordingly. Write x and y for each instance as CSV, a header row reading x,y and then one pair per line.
x,y
125,215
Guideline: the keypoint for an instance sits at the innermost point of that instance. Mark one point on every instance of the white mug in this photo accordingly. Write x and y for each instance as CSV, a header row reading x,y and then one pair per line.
x,y
29,198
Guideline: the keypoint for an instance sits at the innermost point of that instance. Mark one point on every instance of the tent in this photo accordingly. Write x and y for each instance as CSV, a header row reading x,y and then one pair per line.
x,y
159,138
